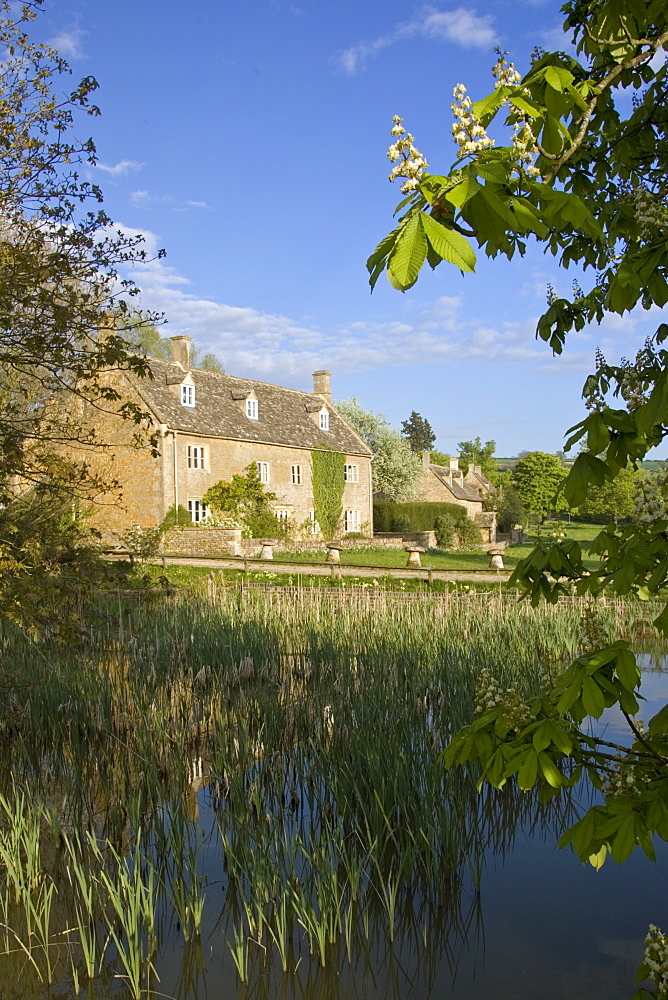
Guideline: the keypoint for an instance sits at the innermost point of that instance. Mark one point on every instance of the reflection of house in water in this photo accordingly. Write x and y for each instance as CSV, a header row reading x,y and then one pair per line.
x,y
198,775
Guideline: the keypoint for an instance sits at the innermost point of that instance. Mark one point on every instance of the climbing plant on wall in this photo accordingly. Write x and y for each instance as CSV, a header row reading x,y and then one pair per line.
x,y
327,471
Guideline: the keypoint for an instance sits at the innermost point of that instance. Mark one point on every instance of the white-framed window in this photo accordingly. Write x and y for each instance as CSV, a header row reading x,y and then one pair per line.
x,y
315,527
188,395
263,471
296,475
351,474
324,420
351,520
251,409
282,514
197,511
195,456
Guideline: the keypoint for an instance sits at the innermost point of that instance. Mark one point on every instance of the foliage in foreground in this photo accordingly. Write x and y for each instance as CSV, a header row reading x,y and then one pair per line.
x,y
589,184
64,311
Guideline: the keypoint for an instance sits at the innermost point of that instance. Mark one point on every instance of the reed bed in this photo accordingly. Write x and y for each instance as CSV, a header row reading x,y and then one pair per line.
x,y
262,768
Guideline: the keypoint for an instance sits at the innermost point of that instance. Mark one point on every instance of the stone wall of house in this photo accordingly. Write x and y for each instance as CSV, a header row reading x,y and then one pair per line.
x,y
224,458
138,499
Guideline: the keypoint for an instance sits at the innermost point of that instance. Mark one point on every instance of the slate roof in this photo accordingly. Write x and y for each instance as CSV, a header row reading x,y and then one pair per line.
x,y
284,415
458,489
485,482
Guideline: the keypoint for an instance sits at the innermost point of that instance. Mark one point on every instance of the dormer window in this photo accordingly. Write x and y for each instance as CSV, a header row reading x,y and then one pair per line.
x,y
324,420
187,394
251,409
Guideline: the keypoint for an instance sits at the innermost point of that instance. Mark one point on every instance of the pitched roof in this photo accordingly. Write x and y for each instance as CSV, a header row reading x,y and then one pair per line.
x,y
284,415
457,487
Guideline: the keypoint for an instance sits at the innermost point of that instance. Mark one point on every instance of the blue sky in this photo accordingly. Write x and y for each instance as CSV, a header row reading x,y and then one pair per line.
x,y
249,140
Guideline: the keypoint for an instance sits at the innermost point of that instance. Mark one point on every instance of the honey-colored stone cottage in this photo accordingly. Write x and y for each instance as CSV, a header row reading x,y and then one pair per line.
x,y
211,426
446,484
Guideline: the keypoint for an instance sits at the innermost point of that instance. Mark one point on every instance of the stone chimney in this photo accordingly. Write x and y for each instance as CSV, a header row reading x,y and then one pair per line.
x,y
454,464
321,385
181,351
426,459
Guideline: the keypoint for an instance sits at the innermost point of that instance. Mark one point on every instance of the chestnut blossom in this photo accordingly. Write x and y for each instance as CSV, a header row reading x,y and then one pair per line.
x,y
411,163
467,130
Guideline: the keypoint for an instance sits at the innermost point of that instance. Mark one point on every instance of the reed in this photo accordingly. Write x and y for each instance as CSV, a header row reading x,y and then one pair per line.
x,y
306,727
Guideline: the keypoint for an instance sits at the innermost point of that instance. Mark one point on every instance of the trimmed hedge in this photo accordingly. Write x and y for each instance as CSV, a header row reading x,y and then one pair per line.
x,y
419,516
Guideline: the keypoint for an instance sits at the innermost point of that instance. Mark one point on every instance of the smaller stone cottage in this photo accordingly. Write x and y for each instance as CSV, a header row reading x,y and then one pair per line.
x,y
447,484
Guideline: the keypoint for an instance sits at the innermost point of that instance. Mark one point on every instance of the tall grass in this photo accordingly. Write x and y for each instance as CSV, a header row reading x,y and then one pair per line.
x,y
302,732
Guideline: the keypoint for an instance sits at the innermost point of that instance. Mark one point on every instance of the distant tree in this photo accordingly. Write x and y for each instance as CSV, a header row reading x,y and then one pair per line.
x,y
145,338
440,458
210,363
614,499
536,480
395,468
477,453
510,509
417,431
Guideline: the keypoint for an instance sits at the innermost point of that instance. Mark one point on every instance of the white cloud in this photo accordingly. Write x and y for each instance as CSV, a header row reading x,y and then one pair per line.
x,y
142,199
280,349
68,43
120,169
462,26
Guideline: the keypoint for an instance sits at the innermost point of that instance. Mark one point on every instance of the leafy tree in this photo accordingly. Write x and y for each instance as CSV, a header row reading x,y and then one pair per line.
x,y
395,467
510,509
477,453
613,500
64,313
440,458
586,179
211,363
144,336
245,499
417,431
536,480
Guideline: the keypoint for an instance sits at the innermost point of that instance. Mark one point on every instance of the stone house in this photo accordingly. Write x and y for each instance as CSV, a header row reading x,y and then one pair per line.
x,y
447,484
476,479
211,426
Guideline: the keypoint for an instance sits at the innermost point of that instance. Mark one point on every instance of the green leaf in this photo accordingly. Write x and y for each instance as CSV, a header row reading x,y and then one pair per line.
x,y
661,621
586,470
558,78
451,246
627,669
528,772
597,860
491,171
467,188
549,770
598,435
408,256
624,841
592,698
551,139
658,724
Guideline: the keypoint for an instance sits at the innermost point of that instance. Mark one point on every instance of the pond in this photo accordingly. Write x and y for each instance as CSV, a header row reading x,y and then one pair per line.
x,y
245,797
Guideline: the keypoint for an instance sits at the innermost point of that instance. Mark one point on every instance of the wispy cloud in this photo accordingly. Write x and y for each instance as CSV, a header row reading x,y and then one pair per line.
x,y
463,26
278,348
68,43
142,199
120,169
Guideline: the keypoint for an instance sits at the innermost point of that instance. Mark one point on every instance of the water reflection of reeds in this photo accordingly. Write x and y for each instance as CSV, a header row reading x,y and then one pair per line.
x,y
261,771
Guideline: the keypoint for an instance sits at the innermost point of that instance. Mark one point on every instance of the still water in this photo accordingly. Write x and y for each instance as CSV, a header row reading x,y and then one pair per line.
x,y
539,924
